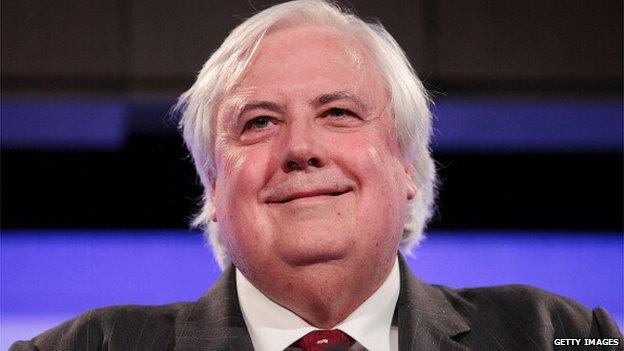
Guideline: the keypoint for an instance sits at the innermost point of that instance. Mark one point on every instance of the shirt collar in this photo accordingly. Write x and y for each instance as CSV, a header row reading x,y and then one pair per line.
x,y
273,327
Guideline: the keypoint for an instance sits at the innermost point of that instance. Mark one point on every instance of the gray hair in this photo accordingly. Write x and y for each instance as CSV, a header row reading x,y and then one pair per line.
x,y
227,65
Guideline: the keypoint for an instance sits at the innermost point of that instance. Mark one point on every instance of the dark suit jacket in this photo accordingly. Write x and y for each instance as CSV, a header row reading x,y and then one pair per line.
x,y
429,318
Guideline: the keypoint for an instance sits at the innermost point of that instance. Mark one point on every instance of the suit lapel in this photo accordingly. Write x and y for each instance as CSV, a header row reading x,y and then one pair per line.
x,y
215,322
426,319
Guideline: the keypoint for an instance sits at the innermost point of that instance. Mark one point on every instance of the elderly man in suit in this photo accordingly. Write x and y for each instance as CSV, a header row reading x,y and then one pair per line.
x,y
310,131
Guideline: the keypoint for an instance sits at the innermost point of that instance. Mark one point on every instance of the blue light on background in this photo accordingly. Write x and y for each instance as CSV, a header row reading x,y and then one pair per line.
x,y
479,124
50,276
64,124
533,125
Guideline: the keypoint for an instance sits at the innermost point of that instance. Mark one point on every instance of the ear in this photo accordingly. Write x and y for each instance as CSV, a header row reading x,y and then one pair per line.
x,y
411,187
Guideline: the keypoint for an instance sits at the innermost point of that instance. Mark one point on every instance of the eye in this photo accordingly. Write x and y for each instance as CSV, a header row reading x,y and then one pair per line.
x,y
338,112
338,116
257,123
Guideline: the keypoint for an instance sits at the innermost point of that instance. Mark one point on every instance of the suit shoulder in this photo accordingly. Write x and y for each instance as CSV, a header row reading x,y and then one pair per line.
x,y
116,327
523,307
134,313
520,297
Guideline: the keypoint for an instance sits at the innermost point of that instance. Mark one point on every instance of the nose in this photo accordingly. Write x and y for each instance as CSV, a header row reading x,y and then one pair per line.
x,y
303,148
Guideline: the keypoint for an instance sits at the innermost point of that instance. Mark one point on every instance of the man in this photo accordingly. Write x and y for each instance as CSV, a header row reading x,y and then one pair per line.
x,y
310,132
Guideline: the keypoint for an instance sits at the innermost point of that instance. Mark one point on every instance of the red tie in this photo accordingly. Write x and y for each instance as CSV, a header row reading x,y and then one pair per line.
x,y
325,340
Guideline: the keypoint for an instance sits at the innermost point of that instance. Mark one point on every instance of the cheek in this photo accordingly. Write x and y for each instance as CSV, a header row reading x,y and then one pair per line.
x,y
384,192
384,174
229,159
230,182
375,164
235,200
240,176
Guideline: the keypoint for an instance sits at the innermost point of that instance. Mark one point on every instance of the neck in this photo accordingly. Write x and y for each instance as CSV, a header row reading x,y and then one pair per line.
x,y
324,294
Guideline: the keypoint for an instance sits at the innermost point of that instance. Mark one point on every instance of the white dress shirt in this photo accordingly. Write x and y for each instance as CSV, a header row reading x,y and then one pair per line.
x,y
273,327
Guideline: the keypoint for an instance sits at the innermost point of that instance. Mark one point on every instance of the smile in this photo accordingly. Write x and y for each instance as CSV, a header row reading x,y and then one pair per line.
x,y
309,195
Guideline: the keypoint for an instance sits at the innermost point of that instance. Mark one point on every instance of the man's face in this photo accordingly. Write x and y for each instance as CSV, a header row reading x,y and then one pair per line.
x,y
308,166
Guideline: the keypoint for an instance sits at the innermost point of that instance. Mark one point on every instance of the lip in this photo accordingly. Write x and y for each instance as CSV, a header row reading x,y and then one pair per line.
x,y
302,195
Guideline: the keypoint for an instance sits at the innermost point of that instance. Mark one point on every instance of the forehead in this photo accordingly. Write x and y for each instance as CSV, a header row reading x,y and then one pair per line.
x,y
311,60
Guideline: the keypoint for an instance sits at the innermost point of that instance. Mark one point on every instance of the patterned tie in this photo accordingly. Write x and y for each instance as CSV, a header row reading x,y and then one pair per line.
x,y
325,340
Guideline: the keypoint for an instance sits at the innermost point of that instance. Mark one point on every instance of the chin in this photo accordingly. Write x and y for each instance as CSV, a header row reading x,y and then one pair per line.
x,y
314,253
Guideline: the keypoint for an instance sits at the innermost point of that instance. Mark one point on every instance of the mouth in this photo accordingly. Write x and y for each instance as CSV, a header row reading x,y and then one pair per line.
x,y
308,194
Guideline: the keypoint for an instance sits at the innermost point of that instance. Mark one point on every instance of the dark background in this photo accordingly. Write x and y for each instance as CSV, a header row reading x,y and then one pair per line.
x,y
142,54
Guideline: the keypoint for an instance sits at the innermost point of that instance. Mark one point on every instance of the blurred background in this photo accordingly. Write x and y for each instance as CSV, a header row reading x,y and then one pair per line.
x,y
97,187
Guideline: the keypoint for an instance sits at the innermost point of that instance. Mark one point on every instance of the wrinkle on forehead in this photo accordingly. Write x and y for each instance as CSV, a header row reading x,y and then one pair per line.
x,y
280,39
354,54
361,62
346,37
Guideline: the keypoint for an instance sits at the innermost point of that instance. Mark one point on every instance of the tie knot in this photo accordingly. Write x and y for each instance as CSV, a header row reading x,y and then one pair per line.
x,y
325,340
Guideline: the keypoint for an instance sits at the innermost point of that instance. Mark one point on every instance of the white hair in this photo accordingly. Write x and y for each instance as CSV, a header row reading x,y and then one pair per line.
x,y
227,65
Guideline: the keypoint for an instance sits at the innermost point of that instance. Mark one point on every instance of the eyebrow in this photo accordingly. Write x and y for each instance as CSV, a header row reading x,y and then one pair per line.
x,y
338,95
316,102
256,104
